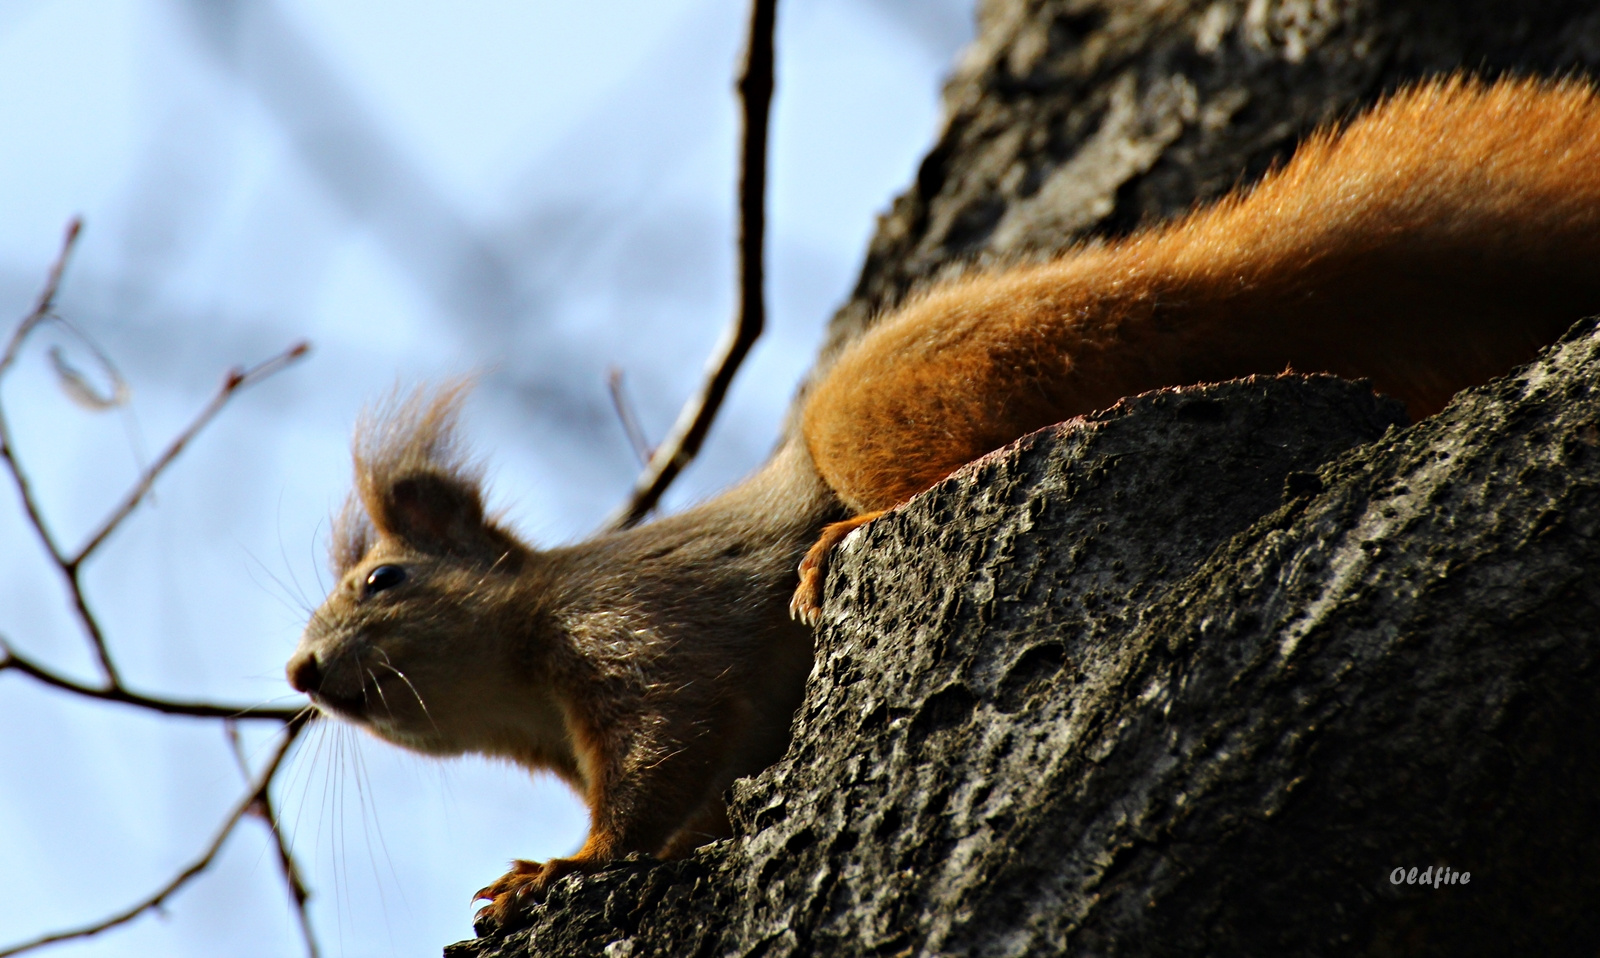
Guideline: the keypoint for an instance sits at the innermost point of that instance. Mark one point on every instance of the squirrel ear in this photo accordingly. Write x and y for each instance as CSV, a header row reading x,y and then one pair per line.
x,y
416,485
431,512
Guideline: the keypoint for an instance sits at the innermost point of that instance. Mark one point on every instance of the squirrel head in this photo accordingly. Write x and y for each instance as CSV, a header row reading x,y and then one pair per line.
x,y
419,632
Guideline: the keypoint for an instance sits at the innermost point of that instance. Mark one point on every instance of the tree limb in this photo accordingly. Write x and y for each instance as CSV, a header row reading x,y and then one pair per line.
x,y
694,420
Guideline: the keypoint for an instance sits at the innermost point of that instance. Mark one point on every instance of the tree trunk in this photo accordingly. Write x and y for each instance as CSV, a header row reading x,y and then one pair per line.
x,y
1236,669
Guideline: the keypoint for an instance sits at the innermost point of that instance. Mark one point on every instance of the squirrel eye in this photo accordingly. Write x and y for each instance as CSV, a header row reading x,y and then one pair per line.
x,y
385,577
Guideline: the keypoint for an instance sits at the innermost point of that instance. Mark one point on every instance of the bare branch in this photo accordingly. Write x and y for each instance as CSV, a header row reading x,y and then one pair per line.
x,y
9,659
19,477
292,877
258,801
683,442
25,491
626,416
257,794
286,862
235,380
41,311
47,296
70,566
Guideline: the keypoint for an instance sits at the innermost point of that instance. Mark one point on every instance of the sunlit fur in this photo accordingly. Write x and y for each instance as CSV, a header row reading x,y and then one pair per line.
x,y
1434,243
647,668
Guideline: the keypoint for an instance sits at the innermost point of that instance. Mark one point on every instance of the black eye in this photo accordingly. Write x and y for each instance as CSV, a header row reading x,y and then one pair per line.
x,y
385,577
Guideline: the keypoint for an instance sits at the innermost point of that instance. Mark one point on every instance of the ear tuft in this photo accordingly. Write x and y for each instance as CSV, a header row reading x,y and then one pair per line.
x,y
414,482
352,535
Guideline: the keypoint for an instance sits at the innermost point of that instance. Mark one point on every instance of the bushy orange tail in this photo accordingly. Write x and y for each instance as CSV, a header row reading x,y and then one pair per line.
x,y
1433,244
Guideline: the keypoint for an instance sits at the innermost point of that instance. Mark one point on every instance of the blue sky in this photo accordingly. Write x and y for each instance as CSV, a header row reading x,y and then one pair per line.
x,y
533,191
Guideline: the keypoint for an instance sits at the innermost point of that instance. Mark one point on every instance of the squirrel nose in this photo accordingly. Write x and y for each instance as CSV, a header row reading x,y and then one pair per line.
x,y
304,672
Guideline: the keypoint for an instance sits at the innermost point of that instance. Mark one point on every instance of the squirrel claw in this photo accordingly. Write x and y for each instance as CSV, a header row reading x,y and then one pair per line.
x,y
512,895
806,605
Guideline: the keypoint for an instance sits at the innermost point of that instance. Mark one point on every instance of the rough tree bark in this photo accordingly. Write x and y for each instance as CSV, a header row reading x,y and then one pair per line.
x,y
1199,673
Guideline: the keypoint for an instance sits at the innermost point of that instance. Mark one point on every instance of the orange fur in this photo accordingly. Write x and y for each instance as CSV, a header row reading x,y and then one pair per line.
x,y
1436,242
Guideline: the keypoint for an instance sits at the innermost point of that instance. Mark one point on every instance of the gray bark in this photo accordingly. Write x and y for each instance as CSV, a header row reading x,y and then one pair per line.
x,y
1196,674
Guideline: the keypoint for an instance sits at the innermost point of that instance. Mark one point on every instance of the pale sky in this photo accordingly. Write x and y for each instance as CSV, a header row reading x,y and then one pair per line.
x,y
531,191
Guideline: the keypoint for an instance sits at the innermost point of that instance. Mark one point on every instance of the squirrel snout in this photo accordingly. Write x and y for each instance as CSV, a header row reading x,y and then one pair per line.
x,y
304,672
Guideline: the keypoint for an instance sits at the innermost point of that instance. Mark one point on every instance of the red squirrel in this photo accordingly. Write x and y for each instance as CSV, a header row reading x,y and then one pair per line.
x,y
1432,244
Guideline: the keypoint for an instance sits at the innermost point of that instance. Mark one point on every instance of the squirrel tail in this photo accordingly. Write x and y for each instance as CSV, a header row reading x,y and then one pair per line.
x,y
1432,244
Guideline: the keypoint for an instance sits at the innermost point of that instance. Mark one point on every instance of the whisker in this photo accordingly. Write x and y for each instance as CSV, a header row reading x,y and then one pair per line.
x,y
283,554
366,691
291,599
377,827
379,687
388,664
316,566
298,779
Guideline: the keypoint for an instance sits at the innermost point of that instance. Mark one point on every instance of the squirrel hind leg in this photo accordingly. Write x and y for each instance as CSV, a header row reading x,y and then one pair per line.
x,y
709,824
806,606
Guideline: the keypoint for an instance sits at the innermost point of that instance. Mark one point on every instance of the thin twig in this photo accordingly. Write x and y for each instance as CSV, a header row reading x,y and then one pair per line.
x,y
47,296
286,862
625,415
71,566
25,491
259,800
235,380
9,659
694,421
258,790
40,312
292,877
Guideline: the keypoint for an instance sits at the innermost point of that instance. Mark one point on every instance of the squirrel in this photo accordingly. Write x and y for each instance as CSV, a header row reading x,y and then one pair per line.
x,y
1431,244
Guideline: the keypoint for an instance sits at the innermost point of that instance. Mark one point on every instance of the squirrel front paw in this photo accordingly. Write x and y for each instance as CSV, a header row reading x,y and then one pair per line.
x,y
512,896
